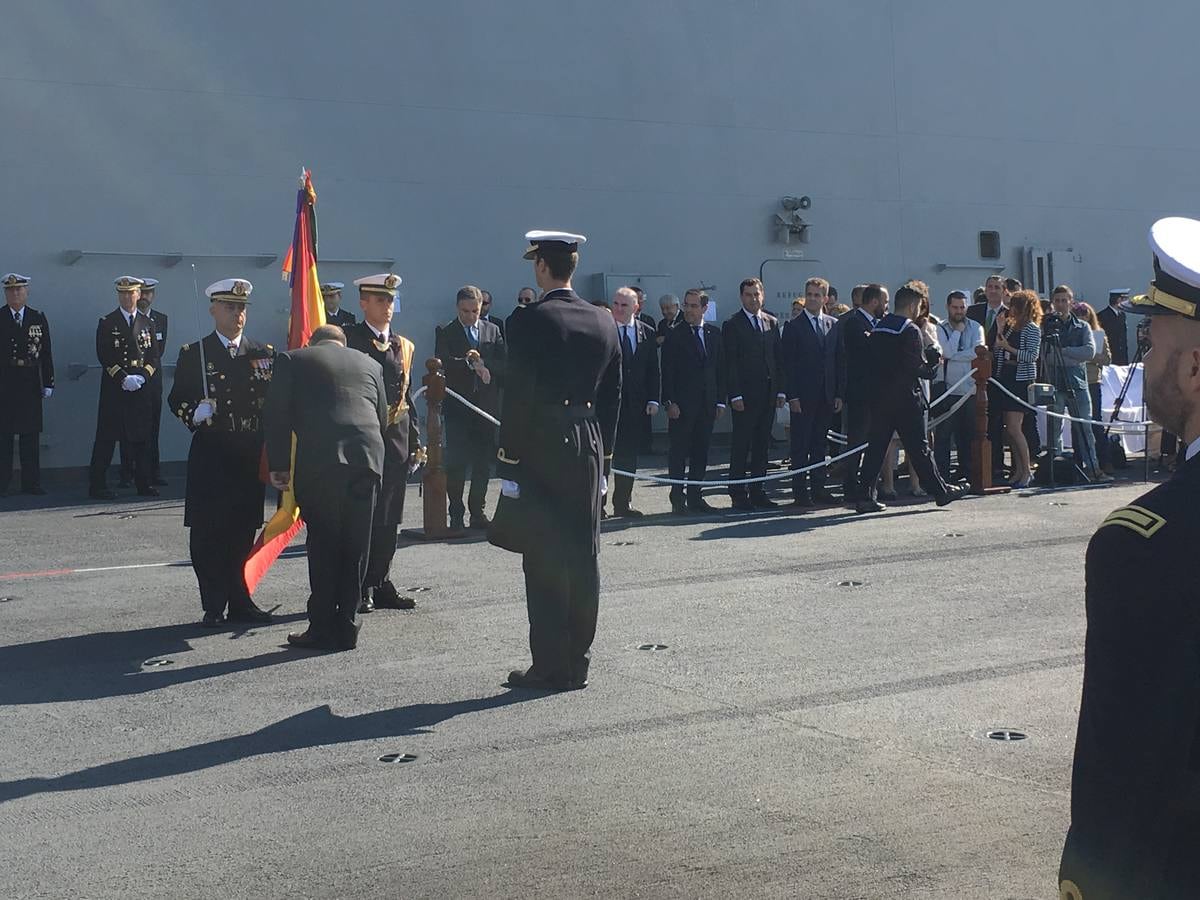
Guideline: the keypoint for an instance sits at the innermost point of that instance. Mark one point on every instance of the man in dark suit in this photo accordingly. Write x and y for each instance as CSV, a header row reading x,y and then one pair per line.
x,y
26,379
472,355
558,425
854,385
640,312
756,390
1112,320
129,358
333,399
694,394
809,359
668,304
639,395
331,294
485,312
996,294
401,441
155,387
218,392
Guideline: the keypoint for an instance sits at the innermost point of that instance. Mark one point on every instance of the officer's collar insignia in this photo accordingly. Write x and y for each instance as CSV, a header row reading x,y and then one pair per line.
x,y
1137,519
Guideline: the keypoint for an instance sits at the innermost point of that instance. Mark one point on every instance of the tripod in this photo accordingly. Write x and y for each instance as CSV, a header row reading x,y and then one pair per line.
x,y
1119,402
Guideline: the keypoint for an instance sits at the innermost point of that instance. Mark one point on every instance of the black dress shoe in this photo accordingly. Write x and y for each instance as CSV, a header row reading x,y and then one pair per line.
x,y
530,680
701,506
366,604
124,483
212,620
762,501
889,496
952,494
306,640
479,522
159,481
679,508
869,506
742,504
148,492
824,498
249,613
802,502
627,512
34,491
386,597
102,494
457,525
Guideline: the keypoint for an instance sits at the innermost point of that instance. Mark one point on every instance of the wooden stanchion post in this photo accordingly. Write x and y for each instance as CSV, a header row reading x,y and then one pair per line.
x,y
433,483
981,446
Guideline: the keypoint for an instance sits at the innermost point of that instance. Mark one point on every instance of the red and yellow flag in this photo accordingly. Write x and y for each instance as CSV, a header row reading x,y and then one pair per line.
x,y
308,314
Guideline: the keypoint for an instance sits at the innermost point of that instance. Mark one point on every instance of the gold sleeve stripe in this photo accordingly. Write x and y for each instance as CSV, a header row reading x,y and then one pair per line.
x,y
1137,519
150,371
505,458
113,370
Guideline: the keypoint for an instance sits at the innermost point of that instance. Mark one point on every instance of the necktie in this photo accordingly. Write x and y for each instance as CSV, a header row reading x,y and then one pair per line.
x,y
17,318
818,331
232,350
991,317
473,338
758,325
626,343
700,343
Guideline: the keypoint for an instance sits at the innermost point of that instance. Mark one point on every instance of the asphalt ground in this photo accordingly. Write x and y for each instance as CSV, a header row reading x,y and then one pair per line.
x,y
815,724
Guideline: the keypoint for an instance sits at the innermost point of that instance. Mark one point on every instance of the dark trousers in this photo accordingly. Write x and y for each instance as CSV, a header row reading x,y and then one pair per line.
x,y
152,449
904,416
383,535
751,436
857,416
688,439
995,426
338,510
1103,448
468,449
809,430
562,594
626,447
31,469
959,429
102,454
218,554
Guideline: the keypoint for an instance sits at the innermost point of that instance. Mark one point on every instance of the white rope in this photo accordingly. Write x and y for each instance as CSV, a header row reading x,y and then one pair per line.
x,y
776,476
1113,424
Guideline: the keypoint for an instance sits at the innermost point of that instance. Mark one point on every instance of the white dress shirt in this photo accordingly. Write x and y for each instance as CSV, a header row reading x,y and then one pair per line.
x,y
1193,449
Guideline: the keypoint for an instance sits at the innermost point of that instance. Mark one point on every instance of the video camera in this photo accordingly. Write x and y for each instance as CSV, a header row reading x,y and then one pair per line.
x,y
933,355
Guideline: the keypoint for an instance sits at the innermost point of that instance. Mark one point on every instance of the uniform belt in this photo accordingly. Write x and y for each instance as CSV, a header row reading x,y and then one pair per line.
x,y
568,410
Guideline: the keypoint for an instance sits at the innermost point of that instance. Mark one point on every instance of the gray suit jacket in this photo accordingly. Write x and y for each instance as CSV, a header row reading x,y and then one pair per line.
x,y
332,398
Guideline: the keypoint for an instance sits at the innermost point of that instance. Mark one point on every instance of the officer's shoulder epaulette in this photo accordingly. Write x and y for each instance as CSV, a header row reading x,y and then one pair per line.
x,y
1141,521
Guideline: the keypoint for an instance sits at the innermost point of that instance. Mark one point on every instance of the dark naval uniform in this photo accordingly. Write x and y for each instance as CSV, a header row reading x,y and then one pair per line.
x,y
342,319
559,421
124,416
26,367
224,500
401,439
155,386
1135,784
897,361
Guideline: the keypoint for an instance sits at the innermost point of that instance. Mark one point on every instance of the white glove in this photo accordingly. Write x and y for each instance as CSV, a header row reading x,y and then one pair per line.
x,y
46,392
510,489
132,383
603,485
204,412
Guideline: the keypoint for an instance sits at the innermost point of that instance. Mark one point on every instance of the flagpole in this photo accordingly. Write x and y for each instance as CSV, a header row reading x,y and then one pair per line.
x,y
200,339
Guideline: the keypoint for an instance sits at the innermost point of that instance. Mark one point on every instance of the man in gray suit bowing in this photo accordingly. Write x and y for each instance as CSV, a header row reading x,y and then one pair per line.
x,y
333,400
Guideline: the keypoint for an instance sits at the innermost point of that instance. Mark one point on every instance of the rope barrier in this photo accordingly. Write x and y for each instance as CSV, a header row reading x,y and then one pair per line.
x,y
1114,424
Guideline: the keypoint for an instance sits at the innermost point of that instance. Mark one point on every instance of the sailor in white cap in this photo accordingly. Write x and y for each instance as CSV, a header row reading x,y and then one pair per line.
x,y
26,379
129,358
1135,812
375,337
218,393
155,387
1114,322
559,419
331,294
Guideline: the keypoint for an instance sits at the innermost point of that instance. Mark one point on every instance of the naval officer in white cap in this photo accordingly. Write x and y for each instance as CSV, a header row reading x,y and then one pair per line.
x,y
1135,786
331,294
559,421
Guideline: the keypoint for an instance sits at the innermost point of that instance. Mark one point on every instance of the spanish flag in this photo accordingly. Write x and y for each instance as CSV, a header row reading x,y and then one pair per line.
x,y
308,314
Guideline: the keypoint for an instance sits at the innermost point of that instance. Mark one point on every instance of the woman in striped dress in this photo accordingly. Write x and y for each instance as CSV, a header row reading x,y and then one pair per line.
x,y
1018,340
